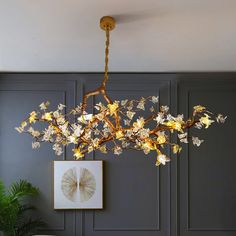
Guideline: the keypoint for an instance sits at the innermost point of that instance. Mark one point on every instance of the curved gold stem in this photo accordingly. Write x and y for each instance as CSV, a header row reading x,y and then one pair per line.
x,y
102,88
106,58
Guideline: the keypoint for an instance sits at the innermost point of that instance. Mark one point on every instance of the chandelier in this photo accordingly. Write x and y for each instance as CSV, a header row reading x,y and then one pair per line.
x,y
115,125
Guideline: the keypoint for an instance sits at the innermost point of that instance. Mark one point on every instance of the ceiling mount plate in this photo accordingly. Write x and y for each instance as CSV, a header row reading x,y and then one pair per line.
x,y
107,22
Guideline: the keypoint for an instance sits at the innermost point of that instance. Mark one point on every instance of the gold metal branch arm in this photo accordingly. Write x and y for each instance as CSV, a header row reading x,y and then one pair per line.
x,y
86,96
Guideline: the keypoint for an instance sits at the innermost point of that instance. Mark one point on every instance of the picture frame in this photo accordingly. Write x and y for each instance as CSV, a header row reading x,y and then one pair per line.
x,y
78,184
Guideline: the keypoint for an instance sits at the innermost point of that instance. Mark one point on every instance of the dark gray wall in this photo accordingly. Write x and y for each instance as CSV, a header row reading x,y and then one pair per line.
x,y
193,195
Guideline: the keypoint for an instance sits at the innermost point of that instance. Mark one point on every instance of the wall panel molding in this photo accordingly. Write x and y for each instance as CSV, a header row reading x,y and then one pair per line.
x,y
157,87
187,89
25,87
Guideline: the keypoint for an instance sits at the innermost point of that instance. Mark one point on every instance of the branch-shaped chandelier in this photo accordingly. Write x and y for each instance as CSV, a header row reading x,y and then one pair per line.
x,y
116,125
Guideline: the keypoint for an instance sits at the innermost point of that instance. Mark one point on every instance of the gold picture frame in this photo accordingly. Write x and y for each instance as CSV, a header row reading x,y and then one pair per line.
x,y
77,184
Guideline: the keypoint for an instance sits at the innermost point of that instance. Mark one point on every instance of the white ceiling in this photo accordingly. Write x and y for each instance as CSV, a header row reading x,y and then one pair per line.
x,y
151,35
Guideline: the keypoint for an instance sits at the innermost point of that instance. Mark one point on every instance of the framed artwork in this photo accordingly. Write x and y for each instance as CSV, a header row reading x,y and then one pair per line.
x,y
78,185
